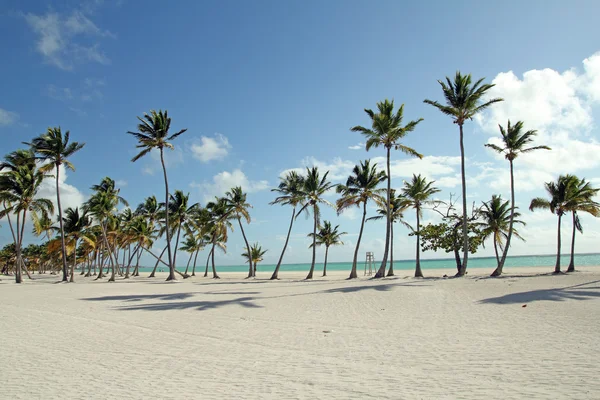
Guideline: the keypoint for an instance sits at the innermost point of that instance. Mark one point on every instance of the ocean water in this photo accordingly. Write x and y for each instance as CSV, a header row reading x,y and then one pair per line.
x,y
446,263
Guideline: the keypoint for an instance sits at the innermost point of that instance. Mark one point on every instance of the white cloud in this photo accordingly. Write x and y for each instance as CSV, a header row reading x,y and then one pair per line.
x,y
224,181
172,157
58,35
70,196
121,182
210,148
8,117
557,105
357,146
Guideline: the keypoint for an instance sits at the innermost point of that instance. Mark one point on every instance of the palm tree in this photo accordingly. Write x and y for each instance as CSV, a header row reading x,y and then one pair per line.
x,y
360,187
387,130
255,255
558,204
327,236
463,102
580,200
398,204
55,148
154,134
218,225
143,233
290,193
418,193
19,186
514,142
75,225
497,217
313,189
181,212
236,200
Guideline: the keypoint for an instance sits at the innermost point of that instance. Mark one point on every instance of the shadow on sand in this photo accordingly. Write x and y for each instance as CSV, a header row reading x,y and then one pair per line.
x,y
576,292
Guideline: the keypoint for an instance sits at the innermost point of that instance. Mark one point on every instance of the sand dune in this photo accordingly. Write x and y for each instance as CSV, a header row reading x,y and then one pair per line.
x,y
397,338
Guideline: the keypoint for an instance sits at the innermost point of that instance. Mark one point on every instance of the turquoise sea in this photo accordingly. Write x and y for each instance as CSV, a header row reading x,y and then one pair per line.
x,y
449,263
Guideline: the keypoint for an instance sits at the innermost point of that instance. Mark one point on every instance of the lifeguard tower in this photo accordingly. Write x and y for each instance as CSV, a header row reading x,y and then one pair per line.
x,y
370,263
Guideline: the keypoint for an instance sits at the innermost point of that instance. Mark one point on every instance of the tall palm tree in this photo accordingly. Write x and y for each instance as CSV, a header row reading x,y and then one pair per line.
x,y
181,212
463,101
514,142
143,233
313,189
497,216
558,204
580,200
75,225
290,193
418,193
255,255
154,134
19,185
327,236
387,131
360,187
236,200
55,148
218,225
398,204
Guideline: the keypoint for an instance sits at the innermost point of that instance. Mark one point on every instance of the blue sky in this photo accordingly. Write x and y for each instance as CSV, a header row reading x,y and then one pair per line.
x,y
268,86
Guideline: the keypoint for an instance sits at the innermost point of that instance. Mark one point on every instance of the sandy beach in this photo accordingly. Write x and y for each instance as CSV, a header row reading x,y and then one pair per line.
x,y
522,336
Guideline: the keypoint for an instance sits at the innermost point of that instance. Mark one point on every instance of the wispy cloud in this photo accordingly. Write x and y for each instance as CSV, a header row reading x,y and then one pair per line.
x,y
65,40
224,181
211,148
8,117
357,146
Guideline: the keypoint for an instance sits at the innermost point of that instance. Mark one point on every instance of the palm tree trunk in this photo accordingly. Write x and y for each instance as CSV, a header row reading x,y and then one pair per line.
x,y
72,278
110,254
572,262
60,223
21,244
176,246
391,269
557,266
314,247
171,266
15,237
498,270
325,263
456,248
156,265
353,274
418,272
381,272
208,260
251,270
465,232
276,272
136,271
214,270
18,277
188,263
195,259
496,251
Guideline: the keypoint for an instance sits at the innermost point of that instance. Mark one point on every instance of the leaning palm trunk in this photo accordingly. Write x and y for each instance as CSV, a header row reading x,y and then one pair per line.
x,y
195,259
110,254
208,261
325,263
391,269
156,265
465,232
498,270
418,272
276,272
62,230
353,274
171,266
572,262
251,269
214,270
496,251
176,246
314,247
381,272
557,266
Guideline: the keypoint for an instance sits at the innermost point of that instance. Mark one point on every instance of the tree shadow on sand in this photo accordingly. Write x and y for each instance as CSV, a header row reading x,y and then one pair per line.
x,y
575,292
247,302
140,297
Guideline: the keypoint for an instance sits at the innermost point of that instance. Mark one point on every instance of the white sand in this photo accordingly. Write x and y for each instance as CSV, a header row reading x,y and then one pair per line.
x,y
397,338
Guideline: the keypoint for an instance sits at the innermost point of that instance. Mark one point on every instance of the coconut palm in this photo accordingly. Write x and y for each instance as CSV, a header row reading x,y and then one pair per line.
x,y
255,255
463,100
180,211
398,204
559,193
142,233
580,200
313,189
387,131
19,185
290,193
75,225
327,236
418,193
360,187
496,215
236,201
218,225
514,142
154,134
54,147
